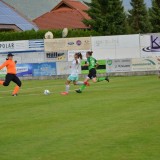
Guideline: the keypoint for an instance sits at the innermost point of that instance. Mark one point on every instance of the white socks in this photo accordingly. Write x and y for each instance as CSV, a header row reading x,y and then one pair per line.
x,y
79,83
67,88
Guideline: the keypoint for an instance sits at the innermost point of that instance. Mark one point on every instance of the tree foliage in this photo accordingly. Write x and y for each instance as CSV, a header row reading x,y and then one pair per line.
x,y
107,17
155,15
138,18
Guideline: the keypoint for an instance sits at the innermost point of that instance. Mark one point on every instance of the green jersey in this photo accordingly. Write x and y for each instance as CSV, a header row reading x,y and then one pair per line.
x,y
92,62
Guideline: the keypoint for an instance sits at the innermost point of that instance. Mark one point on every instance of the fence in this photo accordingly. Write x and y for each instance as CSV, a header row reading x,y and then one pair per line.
x,y
125,53
132,65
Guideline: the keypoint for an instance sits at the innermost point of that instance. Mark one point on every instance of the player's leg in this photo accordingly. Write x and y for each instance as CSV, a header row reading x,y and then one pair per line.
x,y
68,86
76,82
7,81
1,82
102,79
84,85
95,79
69,80
17,87
85,82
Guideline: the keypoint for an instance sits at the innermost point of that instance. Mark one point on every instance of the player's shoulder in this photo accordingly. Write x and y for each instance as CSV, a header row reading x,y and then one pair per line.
x,y
93,58
79,60
7,61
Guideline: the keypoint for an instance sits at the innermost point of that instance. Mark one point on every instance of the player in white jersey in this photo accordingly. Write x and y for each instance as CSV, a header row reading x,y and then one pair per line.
x,y
73,77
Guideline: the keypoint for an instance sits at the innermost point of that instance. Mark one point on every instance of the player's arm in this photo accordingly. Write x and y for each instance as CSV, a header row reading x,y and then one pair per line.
x,y
78,61
3,65
87,62
96,64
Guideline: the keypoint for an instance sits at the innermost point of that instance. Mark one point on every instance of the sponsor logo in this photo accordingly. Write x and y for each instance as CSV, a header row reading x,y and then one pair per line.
x,y
155,42
78,42
22,69
6,45
36,44
70,43
147,62
109,62
87,42
122,66
155,45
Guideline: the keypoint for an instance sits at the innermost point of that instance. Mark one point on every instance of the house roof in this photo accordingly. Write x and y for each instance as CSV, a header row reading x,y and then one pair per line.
x,y
10,17
67,14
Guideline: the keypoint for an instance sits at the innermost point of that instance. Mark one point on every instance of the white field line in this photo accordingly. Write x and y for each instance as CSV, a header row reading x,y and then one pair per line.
x,y
37,94
44,87
33,88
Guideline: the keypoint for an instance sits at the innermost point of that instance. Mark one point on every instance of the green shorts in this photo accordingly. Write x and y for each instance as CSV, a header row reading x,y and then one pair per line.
x,y
72,78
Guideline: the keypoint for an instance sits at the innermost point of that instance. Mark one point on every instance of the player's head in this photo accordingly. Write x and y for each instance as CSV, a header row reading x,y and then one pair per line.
x,y
10,56
89,53
78,55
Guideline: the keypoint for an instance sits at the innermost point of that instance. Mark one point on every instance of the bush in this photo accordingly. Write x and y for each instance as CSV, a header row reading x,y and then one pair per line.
x,y
32,34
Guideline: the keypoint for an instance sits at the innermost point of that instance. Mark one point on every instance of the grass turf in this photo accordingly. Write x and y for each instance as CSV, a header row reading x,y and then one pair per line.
x,y
108,121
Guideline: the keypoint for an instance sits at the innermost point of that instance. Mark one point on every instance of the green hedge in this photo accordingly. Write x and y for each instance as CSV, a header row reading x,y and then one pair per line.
x,y
27,35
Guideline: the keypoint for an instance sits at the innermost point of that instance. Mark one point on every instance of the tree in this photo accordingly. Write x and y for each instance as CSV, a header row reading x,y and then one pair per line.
x,y
107,17
155,15
138,18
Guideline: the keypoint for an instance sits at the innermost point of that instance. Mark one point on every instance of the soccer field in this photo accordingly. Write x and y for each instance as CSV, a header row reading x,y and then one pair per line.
x,y
119,120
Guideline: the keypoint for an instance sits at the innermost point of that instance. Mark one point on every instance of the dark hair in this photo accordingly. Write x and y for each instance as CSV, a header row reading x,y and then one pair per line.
x,y
79,55
89,53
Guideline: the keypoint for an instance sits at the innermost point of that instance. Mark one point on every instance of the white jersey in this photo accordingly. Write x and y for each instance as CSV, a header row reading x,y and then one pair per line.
x,y
74,68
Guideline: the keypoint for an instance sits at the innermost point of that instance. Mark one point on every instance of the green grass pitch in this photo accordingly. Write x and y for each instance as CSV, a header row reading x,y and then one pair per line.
x,y
119,120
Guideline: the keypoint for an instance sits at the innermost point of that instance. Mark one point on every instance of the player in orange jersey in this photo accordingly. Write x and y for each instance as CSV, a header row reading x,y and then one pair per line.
x,y
11,74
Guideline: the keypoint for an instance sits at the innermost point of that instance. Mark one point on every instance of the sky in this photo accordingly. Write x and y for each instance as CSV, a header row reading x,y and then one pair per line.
x,y
35,8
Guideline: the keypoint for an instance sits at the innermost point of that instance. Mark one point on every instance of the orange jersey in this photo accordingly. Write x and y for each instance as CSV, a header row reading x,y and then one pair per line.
x,y
10,65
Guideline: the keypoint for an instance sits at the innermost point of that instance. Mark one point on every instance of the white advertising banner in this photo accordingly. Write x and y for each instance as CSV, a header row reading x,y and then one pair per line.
x,y
11,46
64,68
116,47
81,43
56,56
150,45
15,46
31,51
144,64
118,65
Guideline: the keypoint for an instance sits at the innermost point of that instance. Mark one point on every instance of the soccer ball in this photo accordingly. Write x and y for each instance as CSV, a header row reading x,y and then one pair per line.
x,y
64,32
46,92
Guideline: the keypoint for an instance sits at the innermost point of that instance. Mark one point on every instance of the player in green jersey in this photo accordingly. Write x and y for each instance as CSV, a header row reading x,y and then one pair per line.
x,y
92,65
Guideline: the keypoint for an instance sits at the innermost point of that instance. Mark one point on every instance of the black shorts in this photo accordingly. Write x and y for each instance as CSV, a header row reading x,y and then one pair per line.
x,y
12,77
92,73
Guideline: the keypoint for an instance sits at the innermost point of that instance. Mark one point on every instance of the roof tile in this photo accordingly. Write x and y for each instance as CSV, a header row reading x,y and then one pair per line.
x,y
67,13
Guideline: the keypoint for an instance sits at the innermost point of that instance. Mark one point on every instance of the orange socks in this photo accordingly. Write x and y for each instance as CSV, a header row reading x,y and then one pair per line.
x,y
16,89
1,82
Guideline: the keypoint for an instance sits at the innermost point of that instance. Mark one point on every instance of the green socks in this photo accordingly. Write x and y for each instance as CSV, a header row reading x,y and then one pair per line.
x,y
98,80
82,87
101,79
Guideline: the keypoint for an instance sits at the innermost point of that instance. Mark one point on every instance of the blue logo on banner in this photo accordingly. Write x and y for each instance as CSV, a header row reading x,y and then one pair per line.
x,y
24,70
44,69
36,44
36,69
